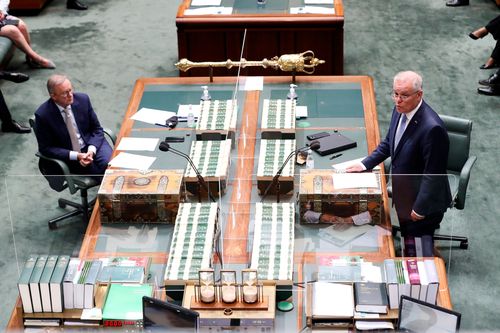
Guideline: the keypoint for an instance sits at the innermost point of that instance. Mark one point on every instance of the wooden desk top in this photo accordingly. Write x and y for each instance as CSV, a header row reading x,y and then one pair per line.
x,y
236,234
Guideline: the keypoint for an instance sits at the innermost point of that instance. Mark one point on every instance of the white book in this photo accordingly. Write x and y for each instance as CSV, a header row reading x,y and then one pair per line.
x,y
90,283
391,280
424,283
326,306
23,283
432,278
79,284
68,292
405,288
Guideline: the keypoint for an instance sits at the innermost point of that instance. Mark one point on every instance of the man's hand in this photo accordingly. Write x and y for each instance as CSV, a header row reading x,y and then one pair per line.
x,y
358,167
85,159
415,217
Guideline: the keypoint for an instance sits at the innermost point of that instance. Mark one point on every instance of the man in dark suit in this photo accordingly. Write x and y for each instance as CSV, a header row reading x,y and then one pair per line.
x,y
67,128
417,143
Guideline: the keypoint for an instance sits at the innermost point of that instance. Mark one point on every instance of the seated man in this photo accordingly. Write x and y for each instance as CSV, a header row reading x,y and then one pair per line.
x,y
68,129
9,124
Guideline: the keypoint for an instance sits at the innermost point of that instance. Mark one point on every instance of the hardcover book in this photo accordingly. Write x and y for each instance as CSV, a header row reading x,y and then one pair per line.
x,y
44,283
36,298
56,283
70,277
391,280
413,275
23,283
370,297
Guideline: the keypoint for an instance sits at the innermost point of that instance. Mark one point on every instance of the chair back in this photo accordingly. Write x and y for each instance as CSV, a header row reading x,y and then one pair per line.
x,y
459,132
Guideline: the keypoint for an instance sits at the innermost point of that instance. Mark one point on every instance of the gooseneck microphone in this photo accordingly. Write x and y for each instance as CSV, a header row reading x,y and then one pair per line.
x,y
314,145
166,147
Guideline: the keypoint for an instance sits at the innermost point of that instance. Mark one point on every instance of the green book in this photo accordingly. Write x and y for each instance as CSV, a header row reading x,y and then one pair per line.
x,y
79,286
56,283
124,301
23,283
44,282
36,298
121,274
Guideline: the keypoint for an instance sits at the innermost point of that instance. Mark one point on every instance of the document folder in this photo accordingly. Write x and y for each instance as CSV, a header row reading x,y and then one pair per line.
x,y
334,143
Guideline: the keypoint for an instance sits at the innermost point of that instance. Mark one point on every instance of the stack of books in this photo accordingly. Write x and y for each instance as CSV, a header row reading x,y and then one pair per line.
x,y
411,277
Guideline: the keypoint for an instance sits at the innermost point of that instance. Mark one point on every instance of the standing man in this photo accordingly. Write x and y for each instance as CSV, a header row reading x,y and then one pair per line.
x,y
9,124
417,143
67,128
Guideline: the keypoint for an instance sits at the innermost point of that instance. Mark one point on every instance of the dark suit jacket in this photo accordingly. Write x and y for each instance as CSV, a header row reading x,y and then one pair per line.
x,y
53,137
419,162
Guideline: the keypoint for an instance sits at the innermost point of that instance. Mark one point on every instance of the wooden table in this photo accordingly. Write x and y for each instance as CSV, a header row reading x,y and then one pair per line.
x,y
237,202
269,33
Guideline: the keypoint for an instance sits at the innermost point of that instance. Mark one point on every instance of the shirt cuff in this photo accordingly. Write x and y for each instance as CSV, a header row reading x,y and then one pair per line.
x,y
421,216
93,149
363,166
73,155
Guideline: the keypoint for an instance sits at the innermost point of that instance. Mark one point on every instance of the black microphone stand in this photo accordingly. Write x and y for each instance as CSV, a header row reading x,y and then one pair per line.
x,y
201,180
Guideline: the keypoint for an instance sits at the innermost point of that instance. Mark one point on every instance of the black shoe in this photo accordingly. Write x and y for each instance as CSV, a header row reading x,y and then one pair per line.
x,y
494,65
494,79
471,35
75,4
490,91
15,127
456,3
14,77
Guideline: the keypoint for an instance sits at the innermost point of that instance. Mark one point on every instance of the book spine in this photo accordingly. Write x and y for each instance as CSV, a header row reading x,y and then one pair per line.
x,y
432,276
411,265
35,283
56,281
423,280
79,285
90,282
68,292
23,283
391,280
44,283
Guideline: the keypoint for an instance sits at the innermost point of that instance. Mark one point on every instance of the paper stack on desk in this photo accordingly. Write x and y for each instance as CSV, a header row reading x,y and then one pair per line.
x,y
332,300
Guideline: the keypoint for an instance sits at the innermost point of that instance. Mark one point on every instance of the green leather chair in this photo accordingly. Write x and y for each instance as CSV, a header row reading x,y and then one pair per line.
x,y
63,180
458,168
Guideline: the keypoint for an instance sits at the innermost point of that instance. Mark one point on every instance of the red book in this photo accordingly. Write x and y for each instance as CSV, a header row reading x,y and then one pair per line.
x,y
411,265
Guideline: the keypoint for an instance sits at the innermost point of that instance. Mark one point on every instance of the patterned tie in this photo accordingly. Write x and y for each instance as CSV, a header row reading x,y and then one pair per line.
x,y
400,131
71,130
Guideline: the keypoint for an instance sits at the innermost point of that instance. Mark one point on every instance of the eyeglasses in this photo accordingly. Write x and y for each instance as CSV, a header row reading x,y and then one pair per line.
x,y
395,96
66,93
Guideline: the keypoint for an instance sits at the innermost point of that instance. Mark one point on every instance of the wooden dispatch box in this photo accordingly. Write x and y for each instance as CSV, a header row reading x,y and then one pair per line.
x,y
140,196
319,193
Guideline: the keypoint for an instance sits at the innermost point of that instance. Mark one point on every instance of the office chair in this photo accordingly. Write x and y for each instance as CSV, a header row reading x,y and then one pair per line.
x,y
63,179
458,167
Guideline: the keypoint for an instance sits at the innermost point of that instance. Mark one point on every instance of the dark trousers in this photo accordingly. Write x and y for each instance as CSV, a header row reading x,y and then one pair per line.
x,y
98,166
5,116
426,226
493,28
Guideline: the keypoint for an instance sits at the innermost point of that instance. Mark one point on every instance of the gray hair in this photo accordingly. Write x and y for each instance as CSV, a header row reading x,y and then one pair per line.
x,y
411,76
55,80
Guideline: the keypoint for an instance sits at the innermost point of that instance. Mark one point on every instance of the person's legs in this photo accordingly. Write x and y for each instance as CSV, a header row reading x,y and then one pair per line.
x,y
5,116
9,124
426,227
14,34
101,159
22,27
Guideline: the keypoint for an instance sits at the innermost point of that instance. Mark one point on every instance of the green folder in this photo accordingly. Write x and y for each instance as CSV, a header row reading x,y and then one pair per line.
x,y
124,301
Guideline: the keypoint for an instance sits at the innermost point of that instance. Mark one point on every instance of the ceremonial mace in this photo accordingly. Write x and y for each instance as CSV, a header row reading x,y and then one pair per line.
x,y
300,62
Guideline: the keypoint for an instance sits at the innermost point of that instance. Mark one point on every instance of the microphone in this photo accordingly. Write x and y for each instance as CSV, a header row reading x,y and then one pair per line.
x,y
314,145
164,146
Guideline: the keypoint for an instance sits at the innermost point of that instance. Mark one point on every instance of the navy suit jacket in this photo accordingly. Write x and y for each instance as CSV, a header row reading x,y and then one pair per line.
x,y
52,134
419,162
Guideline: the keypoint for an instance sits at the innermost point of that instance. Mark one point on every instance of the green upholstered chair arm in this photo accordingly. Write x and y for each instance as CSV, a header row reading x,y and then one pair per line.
x,y
64,172
109,133
463,182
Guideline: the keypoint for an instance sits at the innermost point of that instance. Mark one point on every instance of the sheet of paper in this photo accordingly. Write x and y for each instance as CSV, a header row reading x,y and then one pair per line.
x,y
148,144
326,306
152,116
184,110
354,180
316,2
209,11
312,10
301,111
344,165
132,161
252,83
205,2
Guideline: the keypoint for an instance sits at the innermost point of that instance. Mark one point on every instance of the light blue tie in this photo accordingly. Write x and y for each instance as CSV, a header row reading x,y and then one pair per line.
x,y
400,131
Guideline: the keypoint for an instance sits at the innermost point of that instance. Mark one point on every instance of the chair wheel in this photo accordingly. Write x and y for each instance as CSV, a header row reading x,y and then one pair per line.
x,y
53,225
62,204
464,245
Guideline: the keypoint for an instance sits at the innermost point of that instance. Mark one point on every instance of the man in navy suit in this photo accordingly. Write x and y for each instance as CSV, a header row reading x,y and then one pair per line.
x,y
67,128
417,143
